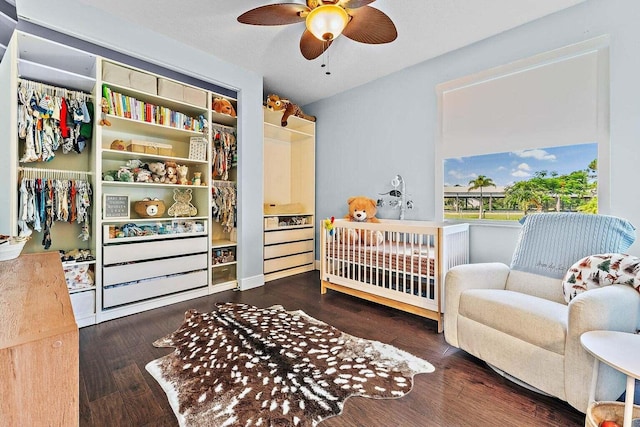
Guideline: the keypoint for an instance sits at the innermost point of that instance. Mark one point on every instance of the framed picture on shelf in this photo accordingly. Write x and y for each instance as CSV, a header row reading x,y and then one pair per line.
x,y
115,206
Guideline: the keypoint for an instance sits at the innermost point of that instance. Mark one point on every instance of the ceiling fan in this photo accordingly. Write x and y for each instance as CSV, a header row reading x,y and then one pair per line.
x,y
326,20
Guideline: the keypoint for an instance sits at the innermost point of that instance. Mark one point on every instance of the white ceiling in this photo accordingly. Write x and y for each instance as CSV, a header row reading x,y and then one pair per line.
x,y
426,29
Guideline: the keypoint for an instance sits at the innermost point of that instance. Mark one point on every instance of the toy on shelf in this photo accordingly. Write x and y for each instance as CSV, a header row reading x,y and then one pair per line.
x,y
275,103
149,207
183,171
118,144
197,178
76,255
158,171
104,105
158,229
223,106
171,173
182,205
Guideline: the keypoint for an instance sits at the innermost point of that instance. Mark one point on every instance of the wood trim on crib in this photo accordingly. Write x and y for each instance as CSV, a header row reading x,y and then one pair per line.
x,y
423,312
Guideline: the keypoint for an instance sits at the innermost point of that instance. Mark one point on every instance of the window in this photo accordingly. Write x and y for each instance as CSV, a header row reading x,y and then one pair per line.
x,y
553,104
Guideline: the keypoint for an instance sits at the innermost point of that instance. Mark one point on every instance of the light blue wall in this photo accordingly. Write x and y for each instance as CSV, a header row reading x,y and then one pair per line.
x,y
85,22
367,135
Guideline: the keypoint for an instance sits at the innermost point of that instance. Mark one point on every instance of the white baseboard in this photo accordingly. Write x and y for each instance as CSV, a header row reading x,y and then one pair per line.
x,y
251,282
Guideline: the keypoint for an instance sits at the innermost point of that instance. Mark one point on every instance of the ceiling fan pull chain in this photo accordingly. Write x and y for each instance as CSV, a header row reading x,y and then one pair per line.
x,y
325,57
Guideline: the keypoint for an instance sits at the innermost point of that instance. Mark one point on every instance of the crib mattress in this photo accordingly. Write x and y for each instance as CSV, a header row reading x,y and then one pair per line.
x,y
392,256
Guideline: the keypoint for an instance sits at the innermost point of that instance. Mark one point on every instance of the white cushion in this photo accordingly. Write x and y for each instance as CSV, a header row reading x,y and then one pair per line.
x,y
519,315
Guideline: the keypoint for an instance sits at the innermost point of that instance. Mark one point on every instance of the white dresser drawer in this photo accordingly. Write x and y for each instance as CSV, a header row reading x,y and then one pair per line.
x,y
142,270
271,237
283,263
113,254
152,288
83,303
284,249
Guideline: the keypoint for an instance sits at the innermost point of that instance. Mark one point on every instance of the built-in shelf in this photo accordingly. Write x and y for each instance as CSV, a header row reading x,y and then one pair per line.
x,y
149,184
77,290
223,119
109,154
54,76
155,219
74,263
222,264
152,237
216,244
138,127
183,107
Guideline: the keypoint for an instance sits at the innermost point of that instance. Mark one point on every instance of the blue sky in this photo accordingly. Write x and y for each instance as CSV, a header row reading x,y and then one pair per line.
x,y
509,167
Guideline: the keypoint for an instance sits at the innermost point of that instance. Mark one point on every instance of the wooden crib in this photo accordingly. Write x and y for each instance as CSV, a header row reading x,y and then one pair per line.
x,y
401,264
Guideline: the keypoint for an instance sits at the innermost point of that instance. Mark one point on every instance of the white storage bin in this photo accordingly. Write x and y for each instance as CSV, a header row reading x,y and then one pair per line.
x,y
112,73
144,82
195,96
170,89
83,303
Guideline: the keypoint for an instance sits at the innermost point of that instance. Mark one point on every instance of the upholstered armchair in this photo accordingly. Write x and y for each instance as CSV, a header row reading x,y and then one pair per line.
x,y
516,317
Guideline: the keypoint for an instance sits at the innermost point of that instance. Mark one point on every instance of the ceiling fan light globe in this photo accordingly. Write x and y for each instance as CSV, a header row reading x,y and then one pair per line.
x,y
327,22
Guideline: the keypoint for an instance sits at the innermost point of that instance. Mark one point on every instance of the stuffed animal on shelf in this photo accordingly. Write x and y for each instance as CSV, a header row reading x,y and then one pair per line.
x,y
158,171
105,109
197,178
363,209
119,145
182,205
183,171
223,106
172,173
274,103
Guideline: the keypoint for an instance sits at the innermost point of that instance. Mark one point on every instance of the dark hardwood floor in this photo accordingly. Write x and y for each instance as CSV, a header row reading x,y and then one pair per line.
x,y
116,390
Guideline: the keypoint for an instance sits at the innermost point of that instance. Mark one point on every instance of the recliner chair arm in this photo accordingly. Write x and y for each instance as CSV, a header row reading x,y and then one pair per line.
x,y
611,308
468,276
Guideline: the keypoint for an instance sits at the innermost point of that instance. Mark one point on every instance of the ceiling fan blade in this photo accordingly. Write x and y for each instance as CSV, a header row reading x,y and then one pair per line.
x,y
274,14
354,4
370,25
311,47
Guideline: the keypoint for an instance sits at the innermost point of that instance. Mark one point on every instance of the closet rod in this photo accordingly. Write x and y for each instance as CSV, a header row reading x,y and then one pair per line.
x,y
222,183
216,125
87,96
59,172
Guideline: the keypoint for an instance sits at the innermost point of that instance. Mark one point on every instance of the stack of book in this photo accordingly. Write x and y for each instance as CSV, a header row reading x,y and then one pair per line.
x,y
131,108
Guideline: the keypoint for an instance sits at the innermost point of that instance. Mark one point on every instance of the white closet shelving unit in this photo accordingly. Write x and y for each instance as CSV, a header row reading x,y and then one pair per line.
x,y
169,259
31,58
289,196
224,253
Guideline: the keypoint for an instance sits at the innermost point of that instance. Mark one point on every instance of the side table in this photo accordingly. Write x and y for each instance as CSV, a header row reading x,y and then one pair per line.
x,y
620,351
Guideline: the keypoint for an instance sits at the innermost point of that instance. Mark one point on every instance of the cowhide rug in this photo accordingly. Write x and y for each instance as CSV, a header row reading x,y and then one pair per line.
x,y
246,366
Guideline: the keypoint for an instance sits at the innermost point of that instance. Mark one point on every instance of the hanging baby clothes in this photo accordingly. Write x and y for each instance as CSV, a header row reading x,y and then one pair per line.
x,y
223,204
225,151
49,199
50,117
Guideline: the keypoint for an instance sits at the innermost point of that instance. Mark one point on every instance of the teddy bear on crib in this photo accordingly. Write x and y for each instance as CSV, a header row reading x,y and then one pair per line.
x,y
363,209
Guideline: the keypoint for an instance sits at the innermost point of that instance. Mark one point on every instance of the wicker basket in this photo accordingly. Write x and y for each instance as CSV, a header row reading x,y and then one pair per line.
x,y
613,411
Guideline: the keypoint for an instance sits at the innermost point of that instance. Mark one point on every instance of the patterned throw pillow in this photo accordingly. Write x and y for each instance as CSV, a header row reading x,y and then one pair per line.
x,y
600,270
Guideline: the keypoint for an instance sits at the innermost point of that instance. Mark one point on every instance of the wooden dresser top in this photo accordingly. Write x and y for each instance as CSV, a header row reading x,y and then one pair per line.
x,y
34,300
